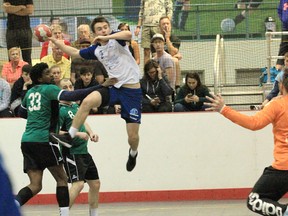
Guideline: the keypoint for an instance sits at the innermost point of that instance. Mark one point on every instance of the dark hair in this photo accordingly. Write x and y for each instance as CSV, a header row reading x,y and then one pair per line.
x,y
148,65
97,20
193,75
37,71
285,78
26,68
164,17
123,24
85,70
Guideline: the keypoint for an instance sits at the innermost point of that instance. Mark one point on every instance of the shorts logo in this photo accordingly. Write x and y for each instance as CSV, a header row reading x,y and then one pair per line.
x,y
74,177
134,114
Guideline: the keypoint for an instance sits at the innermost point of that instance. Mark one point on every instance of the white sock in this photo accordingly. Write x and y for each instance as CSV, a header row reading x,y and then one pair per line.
x,y
133,153
72,131
93,212
64,211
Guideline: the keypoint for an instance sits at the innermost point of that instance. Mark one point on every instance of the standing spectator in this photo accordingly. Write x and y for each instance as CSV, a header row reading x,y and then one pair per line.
x,y
20,87
132,44
78,163
155,89
110,48
99,71
149,15
192,95
57,33
283,16
172,46
19,33
243,5
164,59
5,95
57,58
83,32
183,7
12,70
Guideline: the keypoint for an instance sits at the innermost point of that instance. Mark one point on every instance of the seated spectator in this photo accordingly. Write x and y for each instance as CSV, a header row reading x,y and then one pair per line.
x,y
57,58
12,70
155,89
99,72
172,45
5,94
56,73
192,95
20,87
47,45
279,78
87,80
83,32
132,45
164,59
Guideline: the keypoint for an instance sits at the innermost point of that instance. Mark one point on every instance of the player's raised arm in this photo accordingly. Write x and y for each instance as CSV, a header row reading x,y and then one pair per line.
x,y
66,49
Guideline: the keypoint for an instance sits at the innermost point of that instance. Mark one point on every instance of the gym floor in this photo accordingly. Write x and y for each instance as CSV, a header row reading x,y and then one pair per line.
x,y
181,208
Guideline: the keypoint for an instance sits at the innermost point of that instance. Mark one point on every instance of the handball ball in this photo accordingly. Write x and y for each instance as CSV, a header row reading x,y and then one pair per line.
x,y
42,32
227,25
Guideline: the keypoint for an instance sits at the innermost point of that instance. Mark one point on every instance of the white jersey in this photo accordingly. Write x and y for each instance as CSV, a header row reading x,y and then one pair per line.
x,y
117,60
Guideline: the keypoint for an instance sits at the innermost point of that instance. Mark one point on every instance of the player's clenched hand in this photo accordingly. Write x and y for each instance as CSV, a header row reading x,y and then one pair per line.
x,y
216,103
94,137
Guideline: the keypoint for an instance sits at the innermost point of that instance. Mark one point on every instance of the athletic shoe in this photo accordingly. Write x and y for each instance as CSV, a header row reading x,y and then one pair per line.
x,y
63,139
131,163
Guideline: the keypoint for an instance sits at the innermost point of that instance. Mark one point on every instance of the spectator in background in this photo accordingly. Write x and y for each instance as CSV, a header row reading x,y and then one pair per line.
x,y
5,94
55,70
84,34
78,163
86,80
183,7
65,33
19,32
132,44
164,59
12,70
47,45
283,16
192,95
243,5
55,20
172,45
99,72
155,89
149,15
20,87
57,58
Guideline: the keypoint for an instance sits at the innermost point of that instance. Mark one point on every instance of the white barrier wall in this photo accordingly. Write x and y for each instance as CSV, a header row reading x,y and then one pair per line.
x,y
179,151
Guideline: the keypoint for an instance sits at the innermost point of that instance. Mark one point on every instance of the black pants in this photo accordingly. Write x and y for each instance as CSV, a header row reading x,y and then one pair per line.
x,y
20,38
270,187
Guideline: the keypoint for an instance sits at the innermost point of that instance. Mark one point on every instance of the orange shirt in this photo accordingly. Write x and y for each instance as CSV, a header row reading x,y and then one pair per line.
x,y
9,74
275,112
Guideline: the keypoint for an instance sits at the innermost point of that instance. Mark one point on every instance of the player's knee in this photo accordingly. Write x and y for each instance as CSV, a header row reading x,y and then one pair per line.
x,y
95,186
79,185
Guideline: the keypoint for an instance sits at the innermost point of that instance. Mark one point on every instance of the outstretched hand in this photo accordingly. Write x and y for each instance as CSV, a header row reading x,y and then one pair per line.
x,y
110,82
216,103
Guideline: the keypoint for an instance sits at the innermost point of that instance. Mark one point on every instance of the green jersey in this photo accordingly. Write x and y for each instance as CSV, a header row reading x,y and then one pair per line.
x,y
41,103
66,115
